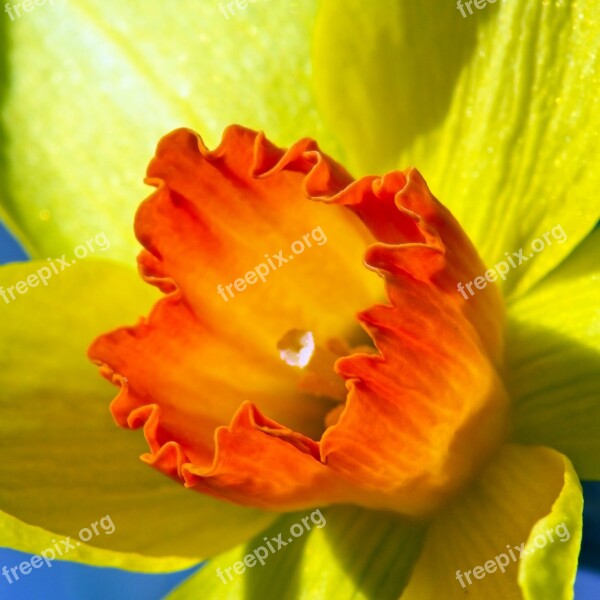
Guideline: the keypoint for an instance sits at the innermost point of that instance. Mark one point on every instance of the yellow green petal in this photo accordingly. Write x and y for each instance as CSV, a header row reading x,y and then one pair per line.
x,y
376,66
472,547
347,553
554,360
498,110
94,84
69,464
551,573
18,535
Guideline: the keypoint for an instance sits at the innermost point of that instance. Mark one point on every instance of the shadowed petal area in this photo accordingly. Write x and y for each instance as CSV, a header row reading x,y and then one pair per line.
x,y
554,374
352,553
203,375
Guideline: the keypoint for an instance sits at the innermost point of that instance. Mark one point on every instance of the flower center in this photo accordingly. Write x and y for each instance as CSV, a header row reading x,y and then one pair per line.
x,y
298,349
319,377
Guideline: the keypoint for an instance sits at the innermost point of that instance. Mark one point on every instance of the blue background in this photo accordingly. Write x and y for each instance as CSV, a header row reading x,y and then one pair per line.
x,y
71,581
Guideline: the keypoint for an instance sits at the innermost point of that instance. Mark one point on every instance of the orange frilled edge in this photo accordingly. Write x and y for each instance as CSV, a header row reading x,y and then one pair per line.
x,y
222,413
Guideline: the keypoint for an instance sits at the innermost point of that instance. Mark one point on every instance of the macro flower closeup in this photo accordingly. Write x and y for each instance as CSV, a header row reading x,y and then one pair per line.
x,y
354,322
425,435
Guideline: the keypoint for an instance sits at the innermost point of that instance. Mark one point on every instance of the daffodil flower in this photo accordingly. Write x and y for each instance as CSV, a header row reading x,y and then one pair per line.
x,y
462,433
408,435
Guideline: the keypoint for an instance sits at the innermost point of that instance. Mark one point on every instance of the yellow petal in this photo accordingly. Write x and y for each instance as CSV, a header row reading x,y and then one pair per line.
x,y
18,535
473,548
